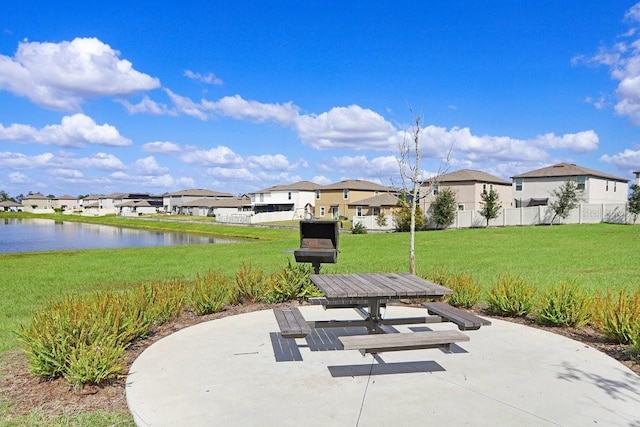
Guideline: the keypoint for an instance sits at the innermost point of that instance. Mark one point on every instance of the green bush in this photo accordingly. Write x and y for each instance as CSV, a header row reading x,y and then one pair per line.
x,y
210,293
564,305
83,339
618,317
252,285
466,291
438,275
359,228
511,296
289,283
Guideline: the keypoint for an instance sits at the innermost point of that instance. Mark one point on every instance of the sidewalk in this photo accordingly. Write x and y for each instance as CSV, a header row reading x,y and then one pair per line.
x,y
238,371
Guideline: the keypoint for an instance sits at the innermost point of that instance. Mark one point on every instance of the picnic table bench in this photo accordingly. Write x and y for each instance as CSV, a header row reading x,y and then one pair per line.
x,y
291,322
378,343
466,321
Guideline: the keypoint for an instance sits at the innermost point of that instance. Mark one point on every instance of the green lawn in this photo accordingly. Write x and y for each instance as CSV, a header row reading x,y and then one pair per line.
x,y
597,257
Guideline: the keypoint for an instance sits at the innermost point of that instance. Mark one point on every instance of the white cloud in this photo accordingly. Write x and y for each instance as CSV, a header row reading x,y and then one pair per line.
x,y
633,14
218,156
438,141
350,127
231,173
208,78
100,161
580,142
270,162
66,173
148,106
64,75
186,106
238,108
73,131
162,147
623,61
149,166
19,178
378,168
628,159
22,161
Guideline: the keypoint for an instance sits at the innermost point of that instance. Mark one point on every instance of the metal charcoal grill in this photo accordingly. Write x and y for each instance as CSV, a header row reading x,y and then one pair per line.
x,y
318,243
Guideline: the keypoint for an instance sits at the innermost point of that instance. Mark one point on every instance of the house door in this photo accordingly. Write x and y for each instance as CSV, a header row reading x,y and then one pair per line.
x,y
334,212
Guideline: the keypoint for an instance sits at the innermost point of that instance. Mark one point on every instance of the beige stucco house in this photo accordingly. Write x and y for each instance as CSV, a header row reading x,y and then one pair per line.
x,y
341,199
535,187
37,203
68,204
215,207
173,202
468,186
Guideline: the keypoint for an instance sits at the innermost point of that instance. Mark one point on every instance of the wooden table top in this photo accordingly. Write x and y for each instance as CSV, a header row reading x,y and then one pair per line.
x,y
377,285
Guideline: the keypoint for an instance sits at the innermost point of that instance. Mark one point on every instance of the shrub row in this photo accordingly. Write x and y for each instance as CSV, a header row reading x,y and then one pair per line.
x,y
83,338
615,315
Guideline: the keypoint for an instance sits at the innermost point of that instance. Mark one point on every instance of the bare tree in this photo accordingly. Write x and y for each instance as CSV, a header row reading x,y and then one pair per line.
x,y
413,178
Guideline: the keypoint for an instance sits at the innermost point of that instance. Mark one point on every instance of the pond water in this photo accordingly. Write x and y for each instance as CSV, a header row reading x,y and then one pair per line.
x,y
30,235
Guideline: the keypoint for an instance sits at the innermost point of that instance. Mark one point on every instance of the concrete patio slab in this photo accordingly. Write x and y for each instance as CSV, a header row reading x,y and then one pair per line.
x,y
239,371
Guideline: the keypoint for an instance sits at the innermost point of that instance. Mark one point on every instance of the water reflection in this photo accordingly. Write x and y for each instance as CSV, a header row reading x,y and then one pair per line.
x,y
29,235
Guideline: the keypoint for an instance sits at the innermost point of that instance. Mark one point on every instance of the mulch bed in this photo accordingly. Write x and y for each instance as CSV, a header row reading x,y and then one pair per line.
x,y
57,397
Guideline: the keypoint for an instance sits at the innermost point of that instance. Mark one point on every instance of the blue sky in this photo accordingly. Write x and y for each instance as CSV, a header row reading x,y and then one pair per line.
x,y
240,95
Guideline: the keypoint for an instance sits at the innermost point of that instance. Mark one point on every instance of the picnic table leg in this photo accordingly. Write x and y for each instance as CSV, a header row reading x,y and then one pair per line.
x,y
374,317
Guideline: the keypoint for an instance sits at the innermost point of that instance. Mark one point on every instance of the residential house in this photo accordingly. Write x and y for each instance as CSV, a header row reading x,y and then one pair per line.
x,y
10,206
67,204
534,188
216,207
340,200
376,213
468,186
91,205
37,203
298,197
137,207
173,202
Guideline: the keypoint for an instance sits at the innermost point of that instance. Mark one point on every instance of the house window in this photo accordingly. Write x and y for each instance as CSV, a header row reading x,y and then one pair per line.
x,y
358,210
345,194
436,189
375,211
606,187
317,194
460,207
518,184
484,188
615,187
581,180
289,195
321,210
261,197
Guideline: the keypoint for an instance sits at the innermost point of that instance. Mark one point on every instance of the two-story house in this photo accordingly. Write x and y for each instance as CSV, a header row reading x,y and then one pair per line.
x,y
67,204
341,199
468,186
534,188
298,197
37,203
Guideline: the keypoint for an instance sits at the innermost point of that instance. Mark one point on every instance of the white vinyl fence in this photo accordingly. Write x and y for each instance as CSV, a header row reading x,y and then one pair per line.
x,y
583,214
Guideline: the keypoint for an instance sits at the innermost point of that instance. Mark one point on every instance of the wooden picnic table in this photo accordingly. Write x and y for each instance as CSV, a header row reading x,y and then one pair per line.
x,y
372,290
